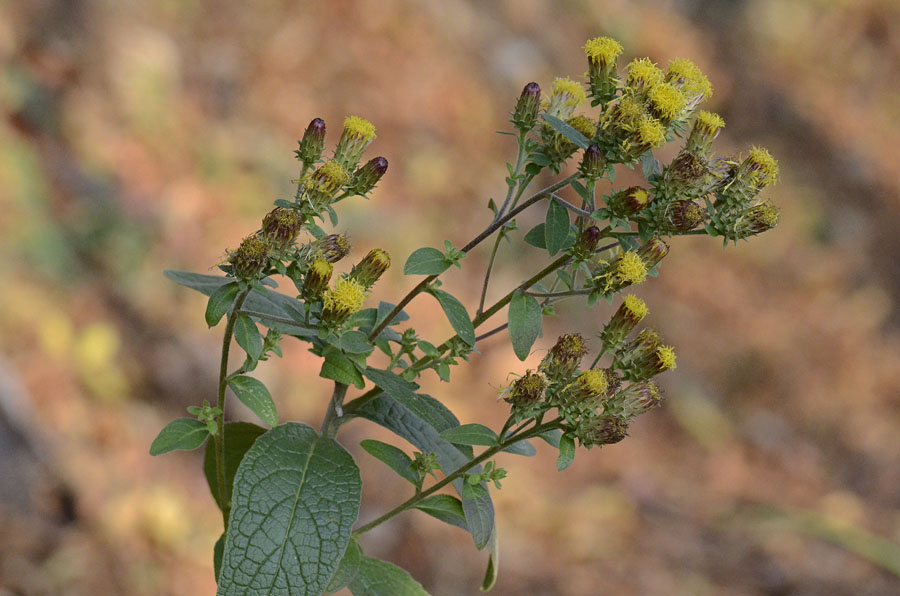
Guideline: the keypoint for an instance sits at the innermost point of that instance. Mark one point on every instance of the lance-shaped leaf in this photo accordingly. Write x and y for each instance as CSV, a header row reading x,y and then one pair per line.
x,y
380,578
392,457
457,315
446,508
296,497
255,396
525,320
220,302
470,434
556,227
566,452
567,131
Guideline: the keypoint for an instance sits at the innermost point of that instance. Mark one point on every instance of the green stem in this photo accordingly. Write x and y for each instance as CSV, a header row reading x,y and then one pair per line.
x,y
582,292
487,454
335,413
219,437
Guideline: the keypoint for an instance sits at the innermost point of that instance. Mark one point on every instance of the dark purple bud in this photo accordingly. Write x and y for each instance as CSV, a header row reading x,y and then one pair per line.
x,y
313,142
527,108
366,177
592,163
587,243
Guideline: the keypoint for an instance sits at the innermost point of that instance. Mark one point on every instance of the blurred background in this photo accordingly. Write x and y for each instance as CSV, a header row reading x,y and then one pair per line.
x,y
144,135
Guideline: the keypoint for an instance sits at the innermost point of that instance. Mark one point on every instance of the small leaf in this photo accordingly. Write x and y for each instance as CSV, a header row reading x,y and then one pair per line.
x,y
524,323
379,578
348,568
556,228
355,342
493,567
535,236
385,308
470,434
552,437
446,508
479,510
220,302
340,368
426,261
296,498
567,131
181,433
649,164
255,396
566,452
457,315
522,447
248,337
239,437
393,457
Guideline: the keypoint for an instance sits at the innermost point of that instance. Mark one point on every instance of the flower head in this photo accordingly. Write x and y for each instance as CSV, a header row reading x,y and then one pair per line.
x,y
251,257
706,128
630,268
683,216
760,165
310,149
653,251
373,266
643,74
564,357
321,186
343,300
601,430
601,54
527,390
602,51
587,391
357,135
280,227
756,220
687,76
315,282
651,134
332,247
666,101
365,178
631,312
628,202
639,398
565,96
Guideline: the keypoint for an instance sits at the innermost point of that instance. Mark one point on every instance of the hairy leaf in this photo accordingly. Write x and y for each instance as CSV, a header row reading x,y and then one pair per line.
x,y
446,508
348,568
255,396
525,319
457,315
181,433
556,227
296,498
220,302
239,437
566,452
379,578
248,337
338,367
567,131
522,447
426,261
470,434
394,457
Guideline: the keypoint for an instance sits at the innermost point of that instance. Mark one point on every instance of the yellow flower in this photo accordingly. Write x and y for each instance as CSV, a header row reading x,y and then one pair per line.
x,y
686,75
636,307
643,73
343,300
651,132
602,50
666,357
761,163
631,269
359,127
572,92
666,100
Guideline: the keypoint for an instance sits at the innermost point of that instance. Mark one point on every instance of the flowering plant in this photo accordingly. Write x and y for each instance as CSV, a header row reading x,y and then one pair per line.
x,y
290,495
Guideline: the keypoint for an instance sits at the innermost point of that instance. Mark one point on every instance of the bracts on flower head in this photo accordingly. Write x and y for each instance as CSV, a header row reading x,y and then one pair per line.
x,y
653,251
601,430
601,53
251,258
332,247
566,95
358,133
686,176
371,267
639,398
626,269
280,227
527,390
592,165
587,243
631,312
628,202
316,280
564,357
587,392
756,220
313,143
706,128
683,216
322,185
525,114
366,177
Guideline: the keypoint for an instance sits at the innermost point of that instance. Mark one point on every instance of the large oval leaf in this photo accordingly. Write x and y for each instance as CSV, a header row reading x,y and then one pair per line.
x,y
296,497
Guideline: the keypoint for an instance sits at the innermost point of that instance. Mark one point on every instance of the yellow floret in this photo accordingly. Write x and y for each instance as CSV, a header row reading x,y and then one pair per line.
x,y
572,91
631,268
636,307
604,50
764,165
321,268
765,213
332,175
689,77
710,120
639,196
347,296
584,125
651,132
359,127
593,382
667,100
644,73
666,356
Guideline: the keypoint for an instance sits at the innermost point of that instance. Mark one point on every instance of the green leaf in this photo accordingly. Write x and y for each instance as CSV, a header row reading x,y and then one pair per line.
x,y
470,434
566,452
524,323
426,408
479,510
385,308
393,457
535,236
457,315
379,578
181,433
552,437
296,498
493,567
239,437
567,131
355,342
556,227
338,367
220,302
218,550
248,337
255,396
426,261
522,447
348,568
446,508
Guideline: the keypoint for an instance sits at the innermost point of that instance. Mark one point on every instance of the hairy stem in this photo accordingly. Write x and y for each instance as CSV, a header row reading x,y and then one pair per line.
x,y
487,454
335,413
219,437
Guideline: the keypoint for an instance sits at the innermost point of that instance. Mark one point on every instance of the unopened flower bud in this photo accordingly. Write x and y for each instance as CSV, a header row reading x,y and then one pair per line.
x,y
564,98
526,113
587,243
593,166
646,341
683,216
280,227
639,398
366,177
587,392
564,357
627,316
357,135
756,220
313,142
649,363
321,186
371,267
315,282
760,166
628,202
251,258
333,247
343,300
601,54
706,128
653,251
527,390
601,430
686,176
